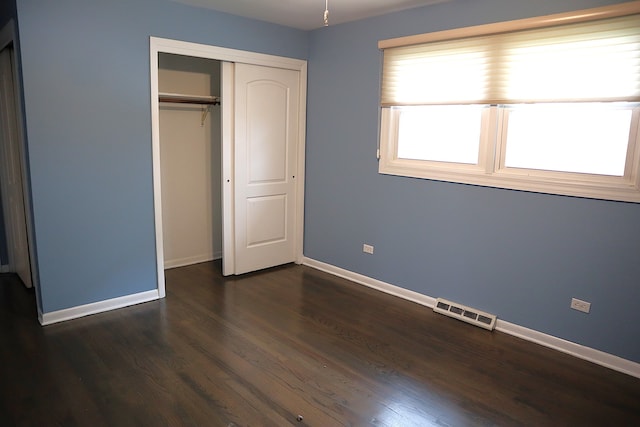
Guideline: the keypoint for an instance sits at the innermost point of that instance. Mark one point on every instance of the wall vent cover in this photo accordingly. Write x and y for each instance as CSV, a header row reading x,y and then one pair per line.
x,y
466,314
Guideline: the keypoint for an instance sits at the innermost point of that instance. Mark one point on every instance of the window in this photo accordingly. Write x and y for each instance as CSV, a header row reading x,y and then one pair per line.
x,y
431,133
529,105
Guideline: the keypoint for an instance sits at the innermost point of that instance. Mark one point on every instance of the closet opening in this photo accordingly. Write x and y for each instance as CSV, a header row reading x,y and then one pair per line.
x,y
190,158
232,173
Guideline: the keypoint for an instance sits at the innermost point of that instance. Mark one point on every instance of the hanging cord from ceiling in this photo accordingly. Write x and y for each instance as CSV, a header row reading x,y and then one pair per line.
x,y
326,13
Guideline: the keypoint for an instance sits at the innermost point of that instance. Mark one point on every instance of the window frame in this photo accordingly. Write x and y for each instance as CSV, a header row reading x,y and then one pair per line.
x,y
490,171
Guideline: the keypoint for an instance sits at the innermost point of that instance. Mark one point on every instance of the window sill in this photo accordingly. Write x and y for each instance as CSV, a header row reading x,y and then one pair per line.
x,y
588,186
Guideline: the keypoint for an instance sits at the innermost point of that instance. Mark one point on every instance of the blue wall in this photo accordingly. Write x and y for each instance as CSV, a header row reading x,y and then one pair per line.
x,y
85,69
520,255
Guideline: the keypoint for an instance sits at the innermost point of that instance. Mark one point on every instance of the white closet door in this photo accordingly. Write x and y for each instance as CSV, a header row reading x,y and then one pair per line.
x,y
12,189
265,157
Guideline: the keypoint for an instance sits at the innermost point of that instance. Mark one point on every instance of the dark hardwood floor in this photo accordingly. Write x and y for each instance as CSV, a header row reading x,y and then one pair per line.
x,y
288,346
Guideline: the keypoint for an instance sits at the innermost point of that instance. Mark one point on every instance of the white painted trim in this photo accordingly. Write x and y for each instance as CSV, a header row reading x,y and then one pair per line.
x,y
371,283
181,262
227,85
587,353
223,54
490,173
300,176
572,17
582,352
157,176
160,45
97,307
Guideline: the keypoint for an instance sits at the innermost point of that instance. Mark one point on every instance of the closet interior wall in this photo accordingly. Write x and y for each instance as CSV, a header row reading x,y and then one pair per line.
x,y
190,150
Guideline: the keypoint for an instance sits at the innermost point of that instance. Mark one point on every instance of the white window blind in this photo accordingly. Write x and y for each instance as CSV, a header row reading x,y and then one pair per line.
x,y
583,62
548,104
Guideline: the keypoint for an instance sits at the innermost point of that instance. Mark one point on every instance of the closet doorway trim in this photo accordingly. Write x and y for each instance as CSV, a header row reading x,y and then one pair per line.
x,y
160,45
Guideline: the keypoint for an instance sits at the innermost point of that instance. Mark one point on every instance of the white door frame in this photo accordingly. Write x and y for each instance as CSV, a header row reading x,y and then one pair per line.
x,y
8,35
160,45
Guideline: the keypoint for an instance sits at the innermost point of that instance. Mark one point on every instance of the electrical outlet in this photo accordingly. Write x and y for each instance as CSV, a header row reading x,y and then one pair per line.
x,y
367,249
580,305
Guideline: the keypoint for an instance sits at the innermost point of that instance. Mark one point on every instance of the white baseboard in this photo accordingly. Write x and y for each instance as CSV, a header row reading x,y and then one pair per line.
x,y
372,283
181,262
97,307
587,353
592,355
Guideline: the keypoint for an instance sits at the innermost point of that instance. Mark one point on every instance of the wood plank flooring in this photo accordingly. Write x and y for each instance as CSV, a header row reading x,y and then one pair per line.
x,y
288,346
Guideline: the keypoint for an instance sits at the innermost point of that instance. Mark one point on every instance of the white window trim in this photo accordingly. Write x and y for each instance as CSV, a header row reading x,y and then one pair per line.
x,y
490,170
573,17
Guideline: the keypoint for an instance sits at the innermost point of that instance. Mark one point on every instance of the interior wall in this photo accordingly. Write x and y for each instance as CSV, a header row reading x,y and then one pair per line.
x,y
90,152
190,150
520,255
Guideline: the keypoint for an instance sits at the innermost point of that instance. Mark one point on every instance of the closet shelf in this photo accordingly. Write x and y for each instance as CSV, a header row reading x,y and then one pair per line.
x,y
178,98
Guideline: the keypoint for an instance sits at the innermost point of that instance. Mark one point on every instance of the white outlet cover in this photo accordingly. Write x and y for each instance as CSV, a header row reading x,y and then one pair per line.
x,y
580,305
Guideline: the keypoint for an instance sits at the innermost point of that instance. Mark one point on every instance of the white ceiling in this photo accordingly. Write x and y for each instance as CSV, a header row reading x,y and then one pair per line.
x,y
308,14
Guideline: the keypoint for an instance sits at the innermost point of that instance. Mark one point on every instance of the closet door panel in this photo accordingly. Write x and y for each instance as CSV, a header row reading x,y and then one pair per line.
x,y
266,144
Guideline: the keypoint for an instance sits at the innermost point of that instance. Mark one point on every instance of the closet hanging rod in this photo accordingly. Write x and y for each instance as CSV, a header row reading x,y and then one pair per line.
x,y
188,99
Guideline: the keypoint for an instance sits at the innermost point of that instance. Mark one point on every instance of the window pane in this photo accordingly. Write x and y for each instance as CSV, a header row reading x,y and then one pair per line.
x,y
582,138
440,133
